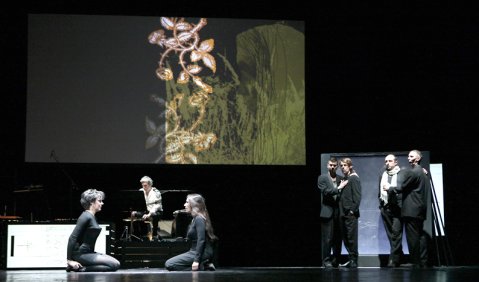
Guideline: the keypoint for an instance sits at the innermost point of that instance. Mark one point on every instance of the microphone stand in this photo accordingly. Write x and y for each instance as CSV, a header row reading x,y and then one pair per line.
x,y
73,185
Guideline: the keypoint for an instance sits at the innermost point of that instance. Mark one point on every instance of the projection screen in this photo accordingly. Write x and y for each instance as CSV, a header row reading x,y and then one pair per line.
x,y
142,90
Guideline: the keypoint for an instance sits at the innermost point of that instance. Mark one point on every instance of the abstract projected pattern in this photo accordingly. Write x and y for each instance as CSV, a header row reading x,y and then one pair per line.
x,y
184,40
124,89
259,120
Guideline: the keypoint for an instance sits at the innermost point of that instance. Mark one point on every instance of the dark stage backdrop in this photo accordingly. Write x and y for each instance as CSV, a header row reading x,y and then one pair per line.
x,y
379,78
129,89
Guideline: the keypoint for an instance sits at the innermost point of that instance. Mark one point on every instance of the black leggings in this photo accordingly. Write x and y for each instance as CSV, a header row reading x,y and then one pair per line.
x,y
97,262
155,218
184,261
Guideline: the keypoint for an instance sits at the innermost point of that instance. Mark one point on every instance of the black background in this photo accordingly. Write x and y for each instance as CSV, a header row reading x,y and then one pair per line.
x,y
390,78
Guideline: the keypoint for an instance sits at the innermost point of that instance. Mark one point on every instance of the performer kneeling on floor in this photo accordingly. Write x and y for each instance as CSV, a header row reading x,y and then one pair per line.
x,y
81,255
200,234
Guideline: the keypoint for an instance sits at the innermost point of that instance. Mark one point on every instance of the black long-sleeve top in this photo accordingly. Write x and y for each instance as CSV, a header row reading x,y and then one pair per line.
x,y
197,234
84,235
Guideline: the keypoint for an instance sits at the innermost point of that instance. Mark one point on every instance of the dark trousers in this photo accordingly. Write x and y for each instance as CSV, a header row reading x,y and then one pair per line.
x,y
394,228
424,243
349,231
183,262
331,238
155,219
414,232
97,262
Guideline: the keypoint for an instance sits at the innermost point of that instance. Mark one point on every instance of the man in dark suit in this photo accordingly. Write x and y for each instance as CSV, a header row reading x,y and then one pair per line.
x,y
390,203
413,212
330,185
349,201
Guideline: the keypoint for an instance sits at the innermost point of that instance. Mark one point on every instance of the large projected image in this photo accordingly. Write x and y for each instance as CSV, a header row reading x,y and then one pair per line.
x,y
118,89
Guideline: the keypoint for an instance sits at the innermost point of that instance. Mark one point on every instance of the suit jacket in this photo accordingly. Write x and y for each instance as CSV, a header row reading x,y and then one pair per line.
x,y
329,194
350,197
413,189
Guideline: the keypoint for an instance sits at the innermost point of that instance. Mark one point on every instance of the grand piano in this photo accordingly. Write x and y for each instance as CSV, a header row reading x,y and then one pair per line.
x,y
134,249
173,223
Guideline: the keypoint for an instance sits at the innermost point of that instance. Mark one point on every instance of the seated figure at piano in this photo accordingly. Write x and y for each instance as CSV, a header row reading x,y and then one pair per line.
x,y
153,205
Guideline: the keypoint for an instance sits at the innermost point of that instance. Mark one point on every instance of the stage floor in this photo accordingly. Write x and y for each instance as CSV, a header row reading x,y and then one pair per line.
x,y
246,274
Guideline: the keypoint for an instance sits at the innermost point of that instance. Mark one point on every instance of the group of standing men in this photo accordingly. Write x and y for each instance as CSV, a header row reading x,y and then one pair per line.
x,y
402,203
341,196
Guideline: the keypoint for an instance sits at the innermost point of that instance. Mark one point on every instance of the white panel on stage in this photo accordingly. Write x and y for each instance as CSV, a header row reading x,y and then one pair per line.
x,y
43,245
438,200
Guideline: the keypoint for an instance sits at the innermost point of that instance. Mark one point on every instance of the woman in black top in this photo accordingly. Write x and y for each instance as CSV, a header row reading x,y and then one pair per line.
x,y
81,255
200,234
